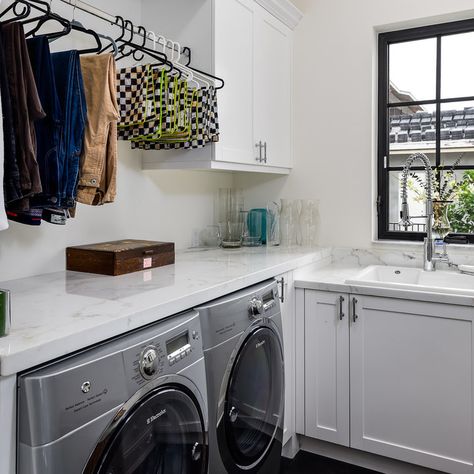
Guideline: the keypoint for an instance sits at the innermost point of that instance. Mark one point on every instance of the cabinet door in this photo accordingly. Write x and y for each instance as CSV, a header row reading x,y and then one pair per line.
x,y
234,45
273,88
287,297
412,382
327,366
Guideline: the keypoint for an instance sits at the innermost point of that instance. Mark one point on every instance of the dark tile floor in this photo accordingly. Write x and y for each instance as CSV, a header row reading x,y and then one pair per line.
x,y
306,463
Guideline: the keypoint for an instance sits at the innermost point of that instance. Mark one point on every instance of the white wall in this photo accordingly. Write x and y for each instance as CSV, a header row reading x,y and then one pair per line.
x,y
157,205
335,66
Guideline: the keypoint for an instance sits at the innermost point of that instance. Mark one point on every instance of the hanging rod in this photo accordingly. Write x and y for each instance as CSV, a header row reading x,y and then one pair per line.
x,y
103,15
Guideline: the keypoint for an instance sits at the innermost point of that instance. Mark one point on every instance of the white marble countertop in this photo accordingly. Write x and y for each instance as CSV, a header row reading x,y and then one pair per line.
x,y
332,277
59,313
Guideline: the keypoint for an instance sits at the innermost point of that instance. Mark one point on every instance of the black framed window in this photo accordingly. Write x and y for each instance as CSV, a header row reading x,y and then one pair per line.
x,y
426,104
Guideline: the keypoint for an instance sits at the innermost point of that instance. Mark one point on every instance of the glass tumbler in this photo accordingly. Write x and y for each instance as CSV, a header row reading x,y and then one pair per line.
x,y
231,234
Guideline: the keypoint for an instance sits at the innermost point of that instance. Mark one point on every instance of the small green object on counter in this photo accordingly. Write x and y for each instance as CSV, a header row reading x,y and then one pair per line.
x,y
5,313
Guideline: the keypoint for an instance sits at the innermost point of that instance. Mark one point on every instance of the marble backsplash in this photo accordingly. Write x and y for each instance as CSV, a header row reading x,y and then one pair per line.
x,y
403,255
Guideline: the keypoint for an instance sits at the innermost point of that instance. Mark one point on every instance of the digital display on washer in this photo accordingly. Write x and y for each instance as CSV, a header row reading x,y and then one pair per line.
x,y
268,297
177,343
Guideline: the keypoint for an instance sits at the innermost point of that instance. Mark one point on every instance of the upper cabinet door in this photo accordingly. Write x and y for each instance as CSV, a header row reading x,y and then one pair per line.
x,y
234,46
273,87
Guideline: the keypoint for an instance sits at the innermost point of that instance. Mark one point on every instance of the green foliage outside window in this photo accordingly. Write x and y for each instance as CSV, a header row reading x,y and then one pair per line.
x,y
461,211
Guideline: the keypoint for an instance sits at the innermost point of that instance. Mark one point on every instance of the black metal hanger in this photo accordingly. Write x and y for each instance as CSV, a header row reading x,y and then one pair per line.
x,y
120,22
48,15
187,51
18,15
142,31
78,27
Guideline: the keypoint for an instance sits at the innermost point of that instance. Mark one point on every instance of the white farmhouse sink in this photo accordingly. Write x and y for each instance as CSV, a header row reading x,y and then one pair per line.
x,y
414,279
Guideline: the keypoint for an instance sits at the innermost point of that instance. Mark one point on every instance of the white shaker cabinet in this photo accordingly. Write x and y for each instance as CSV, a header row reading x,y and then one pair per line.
x,y
399,372
412,382
273,71
234,46
249,43
287,304
327,366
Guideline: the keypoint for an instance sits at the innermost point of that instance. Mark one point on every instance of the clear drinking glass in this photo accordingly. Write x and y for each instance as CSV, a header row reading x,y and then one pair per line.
x,y
252,235
231,234
273,224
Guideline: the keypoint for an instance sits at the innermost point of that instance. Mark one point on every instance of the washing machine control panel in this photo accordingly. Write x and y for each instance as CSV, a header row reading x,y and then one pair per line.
x,y
150,362
178,347
259,305
255,307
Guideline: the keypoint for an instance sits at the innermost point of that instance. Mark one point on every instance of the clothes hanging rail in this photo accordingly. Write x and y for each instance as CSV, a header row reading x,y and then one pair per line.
x,y
109,18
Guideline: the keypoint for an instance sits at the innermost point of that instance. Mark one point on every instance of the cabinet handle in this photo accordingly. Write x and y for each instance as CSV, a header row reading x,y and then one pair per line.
x,y
259,146
265,152
341,313
281,282
355,317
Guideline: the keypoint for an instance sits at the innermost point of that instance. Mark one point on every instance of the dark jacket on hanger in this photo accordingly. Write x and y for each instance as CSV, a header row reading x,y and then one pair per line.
x,y
26,108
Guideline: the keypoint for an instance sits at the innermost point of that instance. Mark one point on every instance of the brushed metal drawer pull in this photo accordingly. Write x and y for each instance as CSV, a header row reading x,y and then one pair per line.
x,y
341,312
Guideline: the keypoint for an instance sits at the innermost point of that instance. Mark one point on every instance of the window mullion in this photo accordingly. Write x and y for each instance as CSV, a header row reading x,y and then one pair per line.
x,y
438,98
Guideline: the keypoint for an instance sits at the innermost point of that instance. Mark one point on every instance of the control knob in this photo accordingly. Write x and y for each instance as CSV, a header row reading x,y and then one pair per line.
x,y
255,307
148,362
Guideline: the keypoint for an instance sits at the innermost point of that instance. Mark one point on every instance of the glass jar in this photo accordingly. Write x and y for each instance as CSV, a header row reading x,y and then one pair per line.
x,y
441,225
273,224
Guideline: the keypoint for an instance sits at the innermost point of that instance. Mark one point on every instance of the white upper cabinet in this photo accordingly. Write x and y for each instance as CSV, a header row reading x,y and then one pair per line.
x,y
250,46
234,32
273,62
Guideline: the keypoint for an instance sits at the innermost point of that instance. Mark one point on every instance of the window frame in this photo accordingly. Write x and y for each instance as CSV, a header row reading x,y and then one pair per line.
x,y
383,139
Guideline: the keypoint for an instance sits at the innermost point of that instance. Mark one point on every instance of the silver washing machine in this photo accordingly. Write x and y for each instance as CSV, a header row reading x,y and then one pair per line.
x,y
243,350
133,405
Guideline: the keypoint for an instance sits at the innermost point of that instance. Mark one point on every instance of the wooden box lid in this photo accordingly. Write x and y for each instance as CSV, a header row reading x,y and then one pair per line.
x,y
120,256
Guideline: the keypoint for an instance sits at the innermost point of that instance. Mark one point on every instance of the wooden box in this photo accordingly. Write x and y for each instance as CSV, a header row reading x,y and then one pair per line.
x,y
119,257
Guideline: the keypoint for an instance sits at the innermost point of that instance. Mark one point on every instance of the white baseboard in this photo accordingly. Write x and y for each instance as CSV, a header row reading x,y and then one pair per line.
x,y
359,458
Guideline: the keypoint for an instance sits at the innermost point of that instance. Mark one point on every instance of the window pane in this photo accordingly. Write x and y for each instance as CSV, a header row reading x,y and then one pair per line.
x,y
415,201
412,129
412,71
457,66
457,134
460,189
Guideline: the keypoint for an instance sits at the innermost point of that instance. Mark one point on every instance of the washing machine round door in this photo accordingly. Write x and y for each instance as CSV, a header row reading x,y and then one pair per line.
x,y
162,434
254,404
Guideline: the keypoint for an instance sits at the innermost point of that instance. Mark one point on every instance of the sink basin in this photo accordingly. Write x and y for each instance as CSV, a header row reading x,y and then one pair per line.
x,y
414,279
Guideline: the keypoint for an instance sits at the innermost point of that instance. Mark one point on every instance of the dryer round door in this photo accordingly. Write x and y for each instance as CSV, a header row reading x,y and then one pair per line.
x,y
253,409
163,433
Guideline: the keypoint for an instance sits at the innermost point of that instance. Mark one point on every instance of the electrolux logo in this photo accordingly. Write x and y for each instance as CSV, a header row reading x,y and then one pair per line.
x,y
259,344
155,417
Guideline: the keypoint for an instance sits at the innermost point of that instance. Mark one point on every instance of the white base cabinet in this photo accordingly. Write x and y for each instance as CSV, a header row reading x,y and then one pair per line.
x,y
327,366
287,305
392,377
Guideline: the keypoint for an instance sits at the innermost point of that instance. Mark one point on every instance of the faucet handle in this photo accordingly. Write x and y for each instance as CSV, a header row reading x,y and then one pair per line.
x,y
405,215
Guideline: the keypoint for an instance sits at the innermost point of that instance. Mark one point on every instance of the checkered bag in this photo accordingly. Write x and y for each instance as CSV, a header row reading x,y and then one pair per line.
x,y
152,127
213,116
134,88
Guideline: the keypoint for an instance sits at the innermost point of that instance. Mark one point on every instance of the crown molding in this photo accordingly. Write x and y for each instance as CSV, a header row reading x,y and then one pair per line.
x,y
284,10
